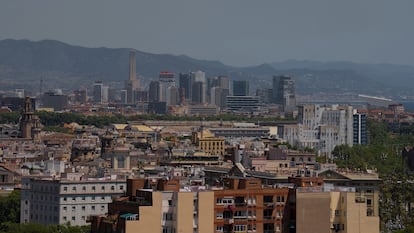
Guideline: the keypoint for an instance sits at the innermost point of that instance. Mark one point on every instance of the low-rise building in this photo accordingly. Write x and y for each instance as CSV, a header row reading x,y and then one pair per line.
x,y
71,199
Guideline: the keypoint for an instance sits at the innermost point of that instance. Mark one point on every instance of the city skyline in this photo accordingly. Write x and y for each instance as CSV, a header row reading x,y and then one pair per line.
x,y
237,33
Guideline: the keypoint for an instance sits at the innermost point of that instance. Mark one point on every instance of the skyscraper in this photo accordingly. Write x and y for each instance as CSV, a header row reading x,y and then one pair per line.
x,y
166,80
97,92
224,82
197,96
360,129
200,92
218,97
172,95
132,84
154,91
186,83
241,88
284,92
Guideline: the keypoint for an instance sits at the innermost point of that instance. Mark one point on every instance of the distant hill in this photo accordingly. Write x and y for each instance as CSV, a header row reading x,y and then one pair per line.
x,y
24,63
397,79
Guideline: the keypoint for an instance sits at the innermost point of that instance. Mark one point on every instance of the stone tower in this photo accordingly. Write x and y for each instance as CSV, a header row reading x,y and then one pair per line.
x,y
29,122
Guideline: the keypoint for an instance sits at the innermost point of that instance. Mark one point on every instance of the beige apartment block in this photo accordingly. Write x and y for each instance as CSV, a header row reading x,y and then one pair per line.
x,y
334,211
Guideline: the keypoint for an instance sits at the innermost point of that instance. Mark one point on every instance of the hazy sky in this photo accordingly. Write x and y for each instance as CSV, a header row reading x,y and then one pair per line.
x,y
236,32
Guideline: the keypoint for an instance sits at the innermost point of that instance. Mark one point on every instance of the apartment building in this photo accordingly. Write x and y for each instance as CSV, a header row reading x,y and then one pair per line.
x,y
206,141
320,127
238,204
338,210
246,206
72,199
243,205
159,206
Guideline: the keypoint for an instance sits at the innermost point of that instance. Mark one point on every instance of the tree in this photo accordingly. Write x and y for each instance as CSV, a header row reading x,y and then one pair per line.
x,y
37,228
10,207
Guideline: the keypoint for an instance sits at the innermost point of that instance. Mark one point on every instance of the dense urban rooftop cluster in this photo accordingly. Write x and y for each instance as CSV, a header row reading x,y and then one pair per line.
x,y
193,176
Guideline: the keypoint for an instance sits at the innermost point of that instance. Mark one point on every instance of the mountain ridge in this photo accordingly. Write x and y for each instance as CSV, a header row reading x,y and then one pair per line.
x,y
60,64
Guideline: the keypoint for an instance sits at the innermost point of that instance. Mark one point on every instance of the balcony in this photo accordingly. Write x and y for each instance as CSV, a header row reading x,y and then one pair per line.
x,y
228,221
240,204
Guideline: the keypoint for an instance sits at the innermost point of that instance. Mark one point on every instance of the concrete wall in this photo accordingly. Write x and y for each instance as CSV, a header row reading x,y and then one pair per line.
x,y
184,214
313,212
206,215
149,217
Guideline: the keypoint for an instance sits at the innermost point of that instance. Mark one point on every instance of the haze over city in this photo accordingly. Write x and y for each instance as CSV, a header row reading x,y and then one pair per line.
x,y
229,116
239,33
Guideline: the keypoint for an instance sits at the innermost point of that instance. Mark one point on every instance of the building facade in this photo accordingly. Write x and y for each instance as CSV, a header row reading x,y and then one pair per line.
x,y
360,129
321,127
333,211
66,200
284,92
241,88
243,104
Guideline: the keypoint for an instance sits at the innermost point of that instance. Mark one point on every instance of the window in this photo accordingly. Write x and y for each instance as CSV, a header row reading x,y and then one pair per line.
x,y
102,198
65,218
268,199
83,198
93,188
240,214
219,215
251,213
73,218
220,228
112,188
337,213
73,208
121,187
251,201
64,208
121,162
103,188
73,198
65,189
83,208
239,228
225,201
64,199
168,216
93,208
83,188
93,198
74,188
168,230
251,227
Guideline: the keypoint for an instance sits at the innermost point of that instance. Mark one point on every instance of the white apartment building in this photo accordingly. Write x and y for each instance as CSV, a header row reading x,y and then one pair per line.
x,y
321,127
46,200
